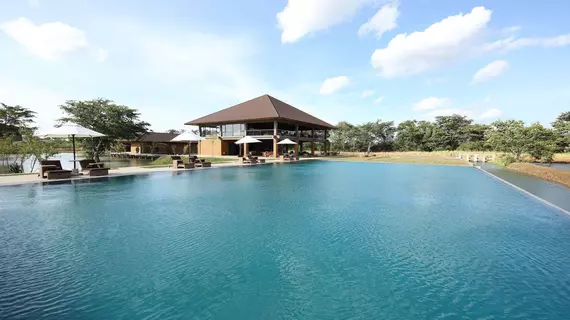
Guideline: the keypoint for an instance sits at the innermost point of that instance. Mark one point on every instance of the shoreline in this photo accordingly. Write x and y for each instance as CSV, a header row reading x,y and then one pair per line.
x,y
555,175
24,179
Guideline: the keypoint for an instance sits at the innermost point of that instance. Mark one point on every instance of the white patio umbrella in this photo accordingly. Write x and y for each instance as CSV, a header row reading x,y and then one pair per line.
x,y
246,140
187,137
287,142
71,130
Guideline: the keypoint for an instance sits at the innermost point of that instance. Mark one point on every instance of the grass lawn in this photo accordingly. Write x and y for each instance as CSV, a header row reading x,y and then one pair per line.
x,y
165,161
404,158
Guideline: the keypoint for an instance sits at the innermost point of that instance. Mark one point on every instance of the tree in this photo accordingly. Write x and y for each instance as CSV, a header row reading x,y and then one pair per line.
x,y
541,142
410,136
450,131
476,135
377,134
103,115
341,137
508,136
39,149
562,127
15,121
174,131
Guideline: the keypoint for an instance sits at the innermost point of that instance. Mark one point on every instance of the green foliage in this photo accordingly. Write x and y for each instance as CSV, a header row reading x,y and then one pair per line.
x,y
513,137
450,131
15,121
541,142
508,136
562,128
505,159
377,135
473,146
13,154
103,115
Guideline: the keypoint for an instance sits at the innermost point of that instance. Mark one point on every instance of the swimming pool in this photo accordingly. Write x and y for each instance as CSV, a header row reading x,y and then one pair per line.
x,y
315,240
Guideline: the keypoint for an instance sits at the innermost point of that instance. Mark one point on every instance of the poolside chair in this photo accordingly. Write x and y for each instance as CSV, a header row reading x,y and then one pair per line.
x,y
200,163
88,164
178,163
54,166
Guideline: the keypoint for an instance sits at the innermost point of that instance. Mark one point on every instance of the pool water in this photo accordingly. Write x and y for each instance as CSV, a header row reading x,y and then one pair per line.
x,y
318,240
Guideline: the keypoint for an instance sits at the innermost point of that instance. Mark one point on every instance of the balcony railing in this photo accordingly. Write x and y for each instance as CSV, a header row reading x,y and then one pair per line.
x,y
259,132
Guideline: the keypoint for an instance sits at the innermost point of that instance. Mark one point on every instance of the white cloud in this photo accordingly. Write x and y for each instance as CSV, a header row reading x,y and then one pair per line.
x,y
439,44
49,41
379,100
492,70
432,103
512,43
303,17
334,84
491,113
384,20
367,93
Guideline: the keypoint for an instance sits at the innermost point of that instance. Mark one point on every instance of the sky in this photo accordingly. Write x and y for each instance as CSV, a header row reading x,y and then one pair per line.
x,y
340,60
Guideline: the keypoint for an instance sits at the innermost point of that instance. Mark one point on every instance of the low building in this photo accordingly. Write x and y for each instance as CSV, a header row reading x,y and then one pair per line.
x,y
264,118
157,143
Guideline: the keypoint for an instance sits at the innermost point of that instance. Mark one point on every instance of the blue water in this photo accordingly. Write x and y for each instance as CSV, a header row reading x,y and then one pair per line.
x,y
321,240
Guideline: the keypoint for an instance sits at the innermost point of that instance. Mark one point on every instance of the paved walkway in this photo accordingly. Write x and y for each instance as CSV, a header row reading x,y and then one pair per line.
x,y
126,171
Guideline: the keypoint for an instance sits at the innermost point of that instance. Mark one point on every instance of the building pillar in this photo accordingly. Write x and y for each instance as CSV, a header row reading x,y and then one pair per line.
x,y
275,126
297,133
313,147
245,150
275,147
325,149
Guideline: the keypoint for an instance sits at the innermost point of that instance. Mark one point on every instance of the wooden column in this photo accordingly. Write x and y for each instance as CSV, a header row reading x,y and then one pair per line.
x,y
275,140
245,150
325,143
297,133
275,147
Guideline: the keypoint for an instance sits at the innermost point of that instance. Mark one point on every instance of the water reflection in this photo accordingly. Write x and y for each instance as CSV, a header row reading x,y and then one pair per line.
x,y
67,163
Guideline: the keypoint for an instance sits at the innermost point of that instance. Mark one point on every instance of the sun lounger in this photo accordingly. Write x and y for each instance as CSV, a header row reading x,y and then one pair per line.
x,y
58,174
178,163
98,172
88,164
200,163
49,165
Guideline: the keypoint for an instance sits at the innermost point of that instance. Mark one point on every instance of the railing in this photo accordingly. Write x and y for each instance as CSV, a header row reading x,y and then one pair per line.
x,y
259,132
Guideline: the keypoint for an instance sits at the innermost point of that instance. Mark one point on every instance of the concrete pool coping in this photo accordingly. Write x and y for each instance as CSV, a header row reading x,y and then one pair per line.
x,y
23,179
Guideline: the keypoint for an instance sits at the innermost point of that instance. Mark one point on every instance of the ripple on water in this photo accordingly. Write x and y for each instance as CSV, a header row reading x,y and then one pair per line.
x,y
304,241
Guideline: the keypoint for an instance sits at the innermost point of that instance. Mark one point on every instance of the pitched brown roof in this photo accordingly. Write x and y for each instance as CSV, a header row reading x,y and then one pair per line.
x,y
261,108
156,137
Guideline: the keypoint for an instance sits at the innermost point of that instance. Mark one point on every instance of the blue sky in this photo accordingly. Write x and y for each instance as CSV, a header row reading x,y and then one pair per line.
x,y
353,60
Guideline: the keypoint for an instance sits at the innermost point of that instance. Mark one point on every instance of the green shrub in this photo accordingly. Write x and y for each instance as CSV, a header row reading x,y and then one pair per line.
x,y
505,159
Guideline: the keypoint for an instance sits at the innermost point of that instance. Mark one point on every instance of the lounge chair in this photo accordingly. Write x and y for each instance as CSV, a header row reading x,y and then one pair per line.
x,y
47,166
88,164
94,169
58,174
178,163
201,163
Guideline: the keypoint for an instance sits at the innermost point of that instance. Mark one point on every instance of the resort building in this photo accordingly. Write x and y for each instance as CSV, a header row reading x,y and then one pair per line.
x,y
158,143
264,118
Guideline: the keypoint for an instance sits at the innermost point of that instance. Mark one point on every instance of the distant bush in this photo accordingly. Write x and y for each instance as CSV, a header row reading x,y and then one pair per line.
x,y
505,159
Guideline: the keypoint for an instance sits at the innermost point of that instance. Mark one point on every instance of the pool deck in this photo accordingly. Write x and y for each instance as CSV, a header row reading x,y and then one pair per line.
x,y
7,180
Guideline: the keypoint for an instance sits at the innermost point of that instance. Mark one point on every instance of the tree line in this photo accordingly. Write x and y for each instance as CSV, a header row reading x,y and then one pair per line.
x,y
456,132
17,127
